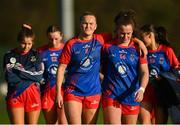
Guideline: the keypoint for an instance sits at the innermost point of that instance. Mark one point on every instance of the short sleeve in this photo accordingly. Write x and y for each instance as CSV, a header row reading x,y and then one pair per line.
x,y
66,53
172,57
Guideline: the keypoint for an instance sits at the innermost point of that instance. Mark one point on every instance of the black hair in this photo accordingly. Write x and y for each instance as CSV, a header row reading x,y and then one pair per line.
x,y
159,32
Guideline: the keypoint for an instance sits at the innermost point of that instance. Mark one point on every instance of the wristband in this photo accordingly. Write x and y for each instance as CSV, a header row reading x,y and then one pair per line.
x,y
142,88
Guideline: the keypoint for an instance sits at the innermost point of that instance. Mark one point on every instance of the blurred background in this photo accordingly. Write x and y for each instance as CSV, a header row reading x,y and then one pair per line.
x,y
42,13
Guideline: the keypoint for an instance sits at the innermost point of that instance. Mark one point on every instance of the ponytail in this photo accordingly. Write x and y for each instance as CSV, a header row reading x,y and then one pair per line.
x,y
162,35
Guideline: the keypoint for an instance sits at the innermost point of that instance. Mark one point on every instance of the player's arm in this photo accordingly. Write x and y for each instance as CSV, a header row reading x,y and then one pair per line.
x,y
144,78
142,47
59,80
10,76
36,76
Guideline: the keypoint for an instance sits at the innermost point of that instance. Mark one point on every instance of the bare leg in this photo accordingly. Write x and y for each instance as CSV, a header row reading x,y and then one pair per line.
x,y
89,116
112,115
73,112
16,115
145,113
32,117
61,116
129,119
50,115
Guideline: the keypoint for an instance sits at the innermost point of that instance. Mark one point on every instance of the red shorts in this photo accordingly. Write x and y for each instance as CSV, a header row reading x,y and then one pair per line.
x,y
30,99
48,99
91,102
126,109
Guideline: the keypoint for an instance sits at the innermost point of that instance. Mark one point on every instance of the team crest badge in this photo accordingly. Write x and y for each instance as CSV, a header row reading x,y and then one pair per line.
x,y
33,58
161,60
122,69
54,59
12,60
132,57
86,63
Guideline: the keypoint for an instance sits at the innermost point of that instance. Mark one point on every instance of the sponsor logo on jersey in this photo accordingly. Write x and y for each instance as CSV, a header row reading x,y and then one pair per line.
x,y
54,54
122,54
86,47
152,58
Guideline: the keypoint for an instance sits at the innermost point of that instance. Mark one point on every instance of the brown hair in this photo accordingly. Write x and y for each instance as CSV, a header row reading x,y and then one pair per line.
x,y
125,17
25,32
87,13
53,28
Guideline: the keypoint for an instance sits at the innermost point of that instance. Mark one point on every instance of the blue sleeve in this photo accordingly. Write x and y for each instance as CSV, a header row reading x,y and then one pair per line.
x,y
34,73
36,76
10,76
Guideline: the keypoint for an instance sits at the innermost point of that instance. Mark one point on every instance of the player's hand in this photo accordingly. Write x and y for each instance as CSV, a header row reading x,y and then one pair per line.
x,y
139,94
19,66
59,100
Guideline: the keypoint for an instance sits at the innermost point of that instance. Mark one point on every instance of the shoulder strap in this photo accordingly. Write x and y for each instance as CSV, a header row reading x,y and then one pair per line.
x,y
91,47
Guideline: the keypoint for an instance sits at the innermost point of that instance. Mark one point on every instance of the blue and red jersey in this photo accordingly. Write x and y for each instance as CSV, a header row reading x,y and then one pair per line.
x,y
161,60
50,57
83,65
121,72
21,70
